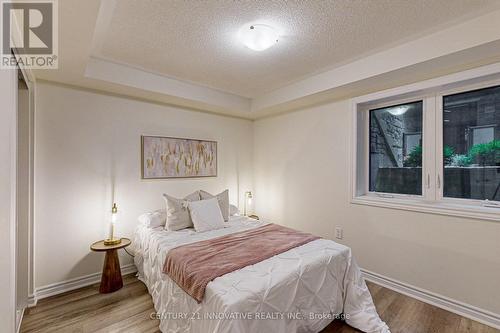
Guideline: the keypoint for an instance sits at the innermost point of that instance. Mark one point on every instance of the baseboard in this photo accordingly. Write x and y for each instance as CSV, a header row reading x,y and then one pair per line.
x,y
31,301
72,284
19,319
443,302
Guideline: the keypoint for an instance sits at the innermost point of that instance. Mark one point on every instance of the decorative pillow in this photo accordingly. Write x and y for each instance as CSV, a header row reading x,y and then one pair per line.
x,y
177,211
222,198
233,210
206,215
154,219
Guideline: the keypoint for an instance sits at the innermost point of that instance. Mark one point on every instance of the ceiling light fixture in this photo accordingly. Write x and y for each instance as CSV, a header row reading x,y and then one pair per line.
x,y
399,110
258,37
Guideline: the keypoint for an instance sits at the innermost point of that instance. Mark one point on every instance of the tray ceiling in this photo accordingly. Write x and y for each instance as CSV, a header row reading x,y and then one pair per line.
x,y
197,40
187,53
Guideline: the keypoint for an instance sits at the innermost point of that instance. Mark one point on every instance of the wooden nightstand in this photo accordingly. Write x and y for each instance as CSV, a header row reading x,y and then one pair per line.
x,y
111,279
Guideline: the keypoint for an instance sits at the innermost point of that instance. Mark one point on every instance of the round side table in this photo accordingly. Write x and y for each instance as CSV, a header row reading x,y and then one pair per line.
x,y
111,279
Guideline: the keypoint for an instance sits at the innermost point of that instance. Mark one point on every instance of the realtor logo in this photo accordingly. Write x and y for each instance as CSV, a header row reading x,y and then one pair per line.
x,y
29,31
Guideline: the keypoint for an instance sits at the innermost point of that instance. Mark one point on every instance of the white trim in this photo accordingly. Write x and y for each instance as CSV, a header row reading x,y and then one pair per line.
x,y
72,284
439,208
13,202
428,110
439,146
444,83
31,229
32,301
429,154
183,93
19,319
463,309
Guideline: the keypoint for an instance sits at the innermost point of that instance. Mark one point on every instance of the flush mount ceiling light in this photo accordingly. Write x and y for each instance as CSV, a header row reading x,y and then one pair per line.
x,y
258,37
399,110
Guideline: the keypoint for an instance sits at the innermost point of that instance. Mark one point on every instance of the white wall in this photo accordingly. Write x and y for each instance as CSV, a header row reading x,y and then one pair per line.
x,y
8,111
88,143
301,164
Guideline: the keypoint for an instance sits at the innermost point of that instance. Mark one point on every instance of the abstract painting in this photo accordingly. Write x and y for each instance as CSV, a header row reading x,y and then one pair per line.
x,y
165,157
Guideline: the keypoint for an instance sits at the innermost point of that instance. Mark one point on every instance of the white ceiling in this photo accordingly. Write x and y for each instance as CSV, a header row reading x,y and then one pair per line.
x,y
190,51
197,40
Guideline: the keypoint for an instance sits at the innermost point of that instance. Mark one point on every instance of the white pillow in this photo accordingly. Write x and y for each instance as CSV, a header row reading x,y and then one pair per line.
x,y
154,219
222,198
206,215
233,210
177,211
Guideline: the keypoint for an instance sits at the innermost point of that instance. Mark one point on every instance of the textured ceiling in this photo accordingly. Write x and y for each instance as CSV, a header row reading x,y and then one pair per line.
x,y
197,40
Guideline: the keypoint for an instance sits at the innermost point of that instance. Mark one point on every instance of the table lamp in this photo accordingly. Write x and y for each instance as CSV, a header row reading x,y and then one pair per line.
x,y
248,202
114,218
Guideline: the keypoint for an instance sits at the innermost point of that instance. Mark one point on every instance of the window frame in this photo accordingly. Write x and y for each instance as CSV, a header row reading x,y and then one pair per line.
x,y
431,92
393,102
440,131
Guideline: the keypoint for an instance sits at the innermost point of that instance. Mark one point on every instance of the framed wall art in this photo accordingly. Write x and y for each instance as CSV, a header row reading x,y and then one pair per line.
x,y
167,157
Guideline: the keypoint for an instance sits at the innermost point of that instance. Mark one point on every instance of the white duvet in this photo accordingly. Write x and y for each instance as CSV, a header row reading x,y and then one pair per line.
x,y
300,290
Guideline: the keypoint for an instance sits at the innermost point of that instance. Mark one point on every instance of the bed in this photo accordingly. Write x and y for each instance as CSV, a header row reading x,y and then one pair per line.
x,y
300,290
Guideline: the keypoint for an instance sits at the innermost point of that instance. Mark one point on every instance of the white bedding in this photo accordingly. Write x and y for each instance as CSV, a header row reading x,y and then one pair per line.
x,y
297,291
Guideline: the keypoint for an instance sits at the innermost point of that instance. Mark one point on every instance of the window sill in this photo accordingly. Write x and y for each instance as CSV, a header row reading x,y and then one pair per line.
x,y
422,206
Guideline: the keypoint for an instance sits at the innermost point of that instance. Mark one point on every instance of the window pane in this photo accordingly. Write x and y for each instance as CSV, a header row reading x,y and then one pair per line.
x,y
396,149
471,136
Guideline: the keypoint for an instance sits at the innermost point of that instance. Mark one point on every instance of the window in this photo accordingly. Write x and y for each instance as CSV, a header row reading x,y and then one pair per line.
x,y
471,137
436,149
396,149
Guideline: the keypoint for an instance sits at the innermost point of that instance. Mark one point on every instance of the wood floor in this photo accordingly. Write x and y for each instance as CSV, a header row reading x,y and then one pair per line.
x,y
129,309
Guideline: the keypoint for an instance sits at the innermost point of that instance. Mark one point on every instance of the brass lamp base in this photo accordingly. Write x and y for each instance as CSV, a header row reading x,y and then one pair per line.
x,y
112,241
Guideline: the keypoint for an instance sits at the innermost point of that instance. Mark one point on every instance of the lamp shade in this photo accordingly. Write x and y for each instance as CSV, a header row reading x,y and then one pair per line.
x,y
248,202
111,240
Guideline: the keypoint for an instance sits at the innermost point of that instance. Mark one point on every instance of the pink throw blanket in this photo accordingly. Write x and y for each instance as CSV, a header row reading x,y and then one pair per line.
x,y
194,265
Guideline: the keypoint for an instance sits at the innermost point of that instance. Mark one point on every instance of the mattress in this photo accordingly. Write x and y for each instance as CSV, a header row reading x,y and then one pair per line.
x,y
300,290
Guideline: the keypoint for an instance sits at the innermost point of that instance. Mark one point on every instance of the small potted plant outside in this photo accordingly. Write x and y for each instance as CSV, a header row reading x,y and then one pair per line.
x,y
486,154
